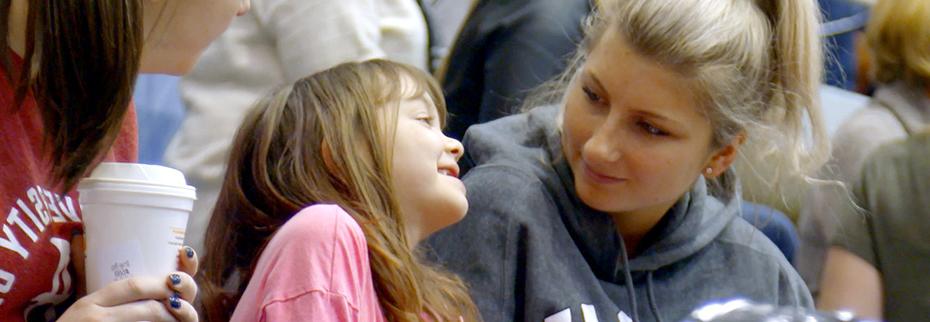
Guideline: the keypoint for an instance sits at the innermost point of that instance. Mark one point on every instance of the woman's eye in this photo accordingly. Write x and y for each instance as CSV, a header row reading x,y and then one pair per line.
x,y
591,95
652,130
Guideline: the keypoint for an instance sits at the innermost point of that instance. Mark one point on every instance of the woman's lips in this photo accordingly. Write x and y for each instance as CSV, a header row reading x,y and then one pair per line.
x,y
597,177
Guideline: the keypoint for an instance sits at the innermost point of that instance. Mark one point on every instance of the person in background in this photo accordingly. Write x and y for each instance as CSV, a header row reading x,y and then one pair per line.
x,y
504,50
333,181
68,72
159,113
843,24
878,262
899,37
277,43
616,197
445,18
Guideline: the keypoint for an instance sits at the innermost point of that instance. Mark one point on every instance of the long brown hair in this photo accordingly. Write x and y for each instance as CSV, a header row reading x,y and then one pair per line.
x,y
276,168
80,64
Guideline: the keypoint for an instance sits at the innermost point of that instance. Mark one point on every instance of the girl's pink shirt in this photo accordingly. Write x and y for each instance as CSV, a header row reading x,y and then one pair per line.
x,y
315,268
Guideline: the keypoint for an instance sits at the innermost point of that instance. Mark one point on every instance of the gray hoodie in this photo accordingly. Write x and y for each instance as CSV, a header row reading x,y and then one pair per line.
x,y
530,250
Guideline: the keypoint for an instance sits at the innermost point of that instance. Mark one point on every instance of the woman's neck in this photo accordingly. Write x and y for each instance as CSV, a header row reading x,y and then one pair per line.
x,y
634,225
16,36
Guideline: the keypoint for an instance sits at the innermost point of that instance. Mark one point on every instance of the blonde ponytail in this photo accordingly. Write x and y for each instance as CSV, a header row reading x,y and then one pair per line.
x,y
779,158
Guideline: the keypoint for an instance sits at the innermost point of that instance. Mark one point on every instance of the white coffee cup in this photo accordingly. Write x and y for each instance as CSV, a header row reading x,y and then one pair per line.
x,y
135,217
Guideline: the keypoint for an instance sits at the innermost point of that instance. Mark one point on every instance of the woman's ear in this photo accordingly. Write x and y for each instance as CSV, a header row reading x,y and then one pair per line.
x,y
721,160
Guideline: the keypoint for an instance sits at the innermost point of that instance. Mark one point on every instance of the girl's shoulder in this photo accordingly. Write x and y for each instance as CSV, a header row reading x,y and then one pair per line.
x,y
320,225
316,262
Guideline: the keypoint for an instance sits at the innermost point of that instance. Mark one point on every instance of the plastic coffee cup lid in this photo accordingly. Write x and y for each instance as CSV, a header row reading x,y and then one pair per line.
x,y
135,173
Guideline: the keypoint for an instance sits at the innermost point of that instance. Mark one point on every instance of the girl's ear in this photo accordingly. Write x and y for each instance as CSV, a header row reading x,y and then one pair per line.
x,y
723,157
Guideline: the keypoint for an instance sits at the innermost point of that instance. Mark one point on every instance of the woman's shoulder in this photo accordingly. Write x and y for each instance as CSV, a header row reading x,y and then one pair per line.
x,y
750,245
875,123
860,134
520,138
897,172
746,263
501,175
904,152
506,188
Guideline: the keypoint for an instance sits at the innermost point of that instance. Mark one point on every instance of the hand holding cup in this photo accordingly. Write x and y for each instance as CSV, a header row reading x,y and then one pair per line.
x,y
143,298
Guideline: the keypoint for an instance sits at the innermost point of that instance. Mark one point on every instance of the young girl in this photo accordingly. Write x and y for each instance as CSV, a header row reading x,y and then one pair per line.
x,y
332,182
66,81
620,202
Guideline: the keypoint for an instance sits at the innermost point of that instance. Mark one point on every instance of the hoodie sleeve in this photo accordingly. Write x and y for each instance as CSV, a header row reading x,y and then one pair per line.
x,y
487,248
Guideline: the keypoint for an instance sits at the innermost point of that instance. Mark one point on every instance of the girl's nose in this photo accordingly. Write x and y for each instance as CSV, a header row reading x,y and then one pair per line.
x,y
455,148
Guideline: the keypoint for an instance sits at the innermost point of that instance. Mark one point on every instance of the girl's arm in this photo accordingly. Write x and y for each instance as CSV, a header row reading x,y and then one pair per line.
x,y
851,279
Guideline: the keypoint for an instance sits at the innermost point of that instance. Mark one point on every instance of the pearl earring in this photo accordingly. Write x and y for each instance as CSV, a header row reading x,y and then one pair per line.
x,y
708,171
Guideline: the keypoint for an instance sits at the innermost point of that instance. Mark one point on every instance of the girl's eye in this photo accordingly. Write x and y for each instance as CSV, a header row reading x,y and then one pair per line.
x,y
652,130
428,120
590,94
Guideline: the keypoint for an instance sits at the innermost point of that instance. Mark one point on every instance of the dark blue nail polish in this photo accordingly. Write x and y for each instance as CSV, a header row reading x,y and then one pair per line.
x,y
175,279
190,252
175,301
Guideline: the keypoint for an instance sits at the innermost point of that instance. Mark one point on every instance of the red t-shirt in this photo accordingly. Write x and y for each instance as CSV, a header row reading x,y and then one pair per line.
x,y
37,224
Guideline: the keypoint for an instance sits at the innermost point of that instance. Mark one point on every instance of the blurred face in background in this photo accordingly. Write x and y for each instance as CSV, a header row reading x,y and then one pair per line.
x,y
178,31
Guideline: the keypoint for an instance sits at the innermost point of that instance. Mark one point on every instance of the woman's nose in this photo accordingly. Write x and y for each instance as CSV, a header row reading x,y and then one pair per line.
x,y
602,147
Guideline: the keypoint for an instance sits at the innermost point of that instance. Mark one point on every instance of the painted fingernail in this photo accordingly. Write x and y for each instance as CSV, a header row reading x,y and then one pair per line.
x,y
175,279
190,252
175,301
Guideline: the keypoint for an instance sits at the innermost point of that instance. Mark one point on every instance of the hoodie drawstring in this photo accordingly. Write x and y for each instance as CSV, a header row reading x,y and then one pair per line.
x,y
628,279
653,305
631,289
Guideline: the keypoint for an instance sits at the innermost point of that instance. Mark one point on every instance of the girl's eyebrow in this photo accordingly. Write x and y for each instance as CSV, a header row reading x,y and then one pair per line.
x,y
424,103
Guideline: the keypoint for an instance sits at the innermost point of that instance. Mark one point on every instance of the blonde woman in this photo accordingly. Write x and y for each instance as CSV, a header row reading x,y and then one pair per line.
x,y
619,202
332,182
898,35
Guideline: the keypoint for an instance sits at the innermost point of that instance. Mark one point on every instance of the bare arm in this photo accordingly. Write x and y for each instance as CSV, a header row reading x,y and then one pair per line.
x,y
851,284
